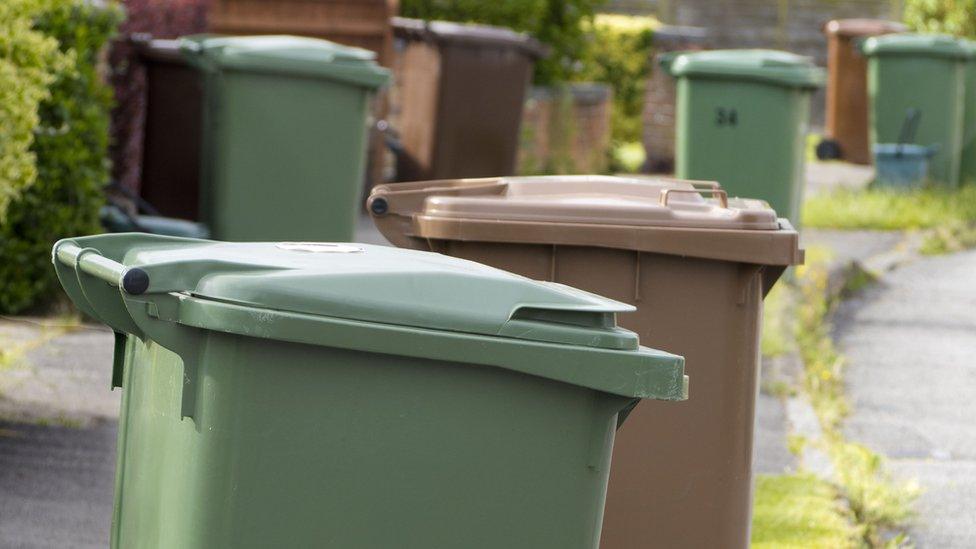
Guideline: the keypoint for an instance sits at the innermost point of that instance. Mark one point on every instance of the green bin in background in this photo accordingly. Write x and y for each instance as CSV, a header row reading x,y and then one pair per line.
x,y
925,73
967,159
284,135
338,395
741,120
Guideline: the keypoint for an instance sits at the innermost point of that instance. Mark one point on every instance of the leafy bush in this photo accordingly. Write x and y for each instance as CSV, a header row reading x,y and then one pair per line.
x,y
28,63
70,146
956,17
556,23
618,53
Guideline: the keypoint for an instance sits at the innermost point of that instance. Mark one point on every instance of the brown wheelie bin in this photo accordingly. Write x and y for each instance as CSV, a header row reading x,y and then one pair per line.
x,y
462,90
170,178
847,89
697,266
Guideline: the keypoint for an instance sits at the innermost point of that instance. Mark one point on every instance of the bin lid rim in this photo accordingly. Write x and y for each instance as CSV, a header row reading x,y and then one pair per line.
x,y
926,45
382,284
300,55
863,27
607,200
768,66
467,33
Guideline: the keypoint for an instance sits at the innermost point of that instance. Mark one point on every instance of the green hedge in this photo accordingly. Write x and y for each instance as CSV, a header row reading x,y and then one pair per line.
x,y
557,23
619,54
29,61
70,147
956,17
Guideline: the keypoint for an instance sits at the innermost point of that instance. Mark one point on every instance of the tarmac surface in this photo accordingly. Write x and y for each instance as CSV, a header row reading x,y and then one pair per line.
x,y
910,344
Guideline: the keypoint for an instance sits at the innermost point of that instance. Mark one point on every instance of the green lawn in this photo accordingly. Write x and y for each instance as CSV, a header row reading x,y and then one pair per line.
x,y
800,511
947,216
890,210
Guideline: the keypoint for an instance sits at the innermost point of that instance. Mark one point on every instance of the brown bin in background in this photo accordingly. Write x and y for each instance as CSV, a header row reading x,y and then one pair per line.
x,y
170,177
461,90
847,89
696,268
359,23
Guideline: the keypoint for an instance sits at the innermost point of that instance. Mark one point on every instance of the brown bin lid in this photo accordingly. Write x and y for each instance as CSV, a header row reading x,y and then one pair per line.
x,y
644,214
157,49
598,200
863,27
467,33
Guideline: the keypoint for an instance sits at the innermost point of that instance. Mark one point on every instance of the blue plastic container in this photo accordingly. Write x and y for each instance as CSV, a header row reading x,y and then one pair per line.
x,y
901,165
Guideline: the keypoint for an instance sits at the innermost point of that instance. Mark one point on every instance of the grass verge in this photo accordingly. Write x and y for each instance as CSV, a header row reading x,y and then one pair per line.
x,y
878,502
885,209
800,511
947,216
861,506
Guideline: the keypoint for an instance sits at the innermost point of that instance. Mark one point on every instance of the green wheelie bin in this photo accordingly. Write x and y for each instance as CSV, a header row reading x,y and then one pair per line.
x,y
967,159
303,394
741,120
284,135
924,73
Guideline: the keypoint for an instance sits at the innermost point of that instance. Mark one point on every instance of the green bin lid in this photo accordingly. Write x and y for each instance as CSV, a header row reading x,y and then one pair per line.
x,y
373,299
384,285
766,66
296,55
920,45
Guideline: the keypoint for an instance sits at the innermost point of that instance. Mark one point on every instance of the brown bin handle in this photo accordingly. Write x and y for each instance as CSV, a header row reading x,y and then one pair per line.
x,y
723,197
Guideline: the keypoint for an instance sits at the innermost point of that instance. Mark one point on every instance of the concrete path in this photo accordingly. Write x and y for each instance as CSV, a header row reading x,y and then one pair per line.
x,y
827,176
56,484
56,372
911,375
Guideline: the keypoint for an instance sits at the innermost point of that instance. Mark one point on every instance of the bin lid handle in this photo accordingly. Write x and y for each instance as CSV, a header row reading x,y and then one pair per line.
x,y
721,194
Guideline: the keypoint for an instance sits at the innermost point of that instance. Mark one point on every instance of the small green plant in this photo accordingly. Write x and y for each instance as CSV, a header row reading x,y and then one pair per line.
x,y
823,364
796,444
879,503
627,157
949,238
800,510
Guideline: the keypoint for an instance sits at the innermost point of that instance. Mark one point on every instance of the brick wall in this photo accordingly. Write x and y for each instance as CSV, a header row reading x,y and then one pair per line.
x,y
659,97
566,130
791,25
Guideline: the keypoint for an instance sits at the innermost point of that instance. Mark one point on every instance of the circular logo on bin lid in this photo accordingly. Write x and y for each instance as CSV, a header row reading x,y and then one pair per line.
x,y
320,247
